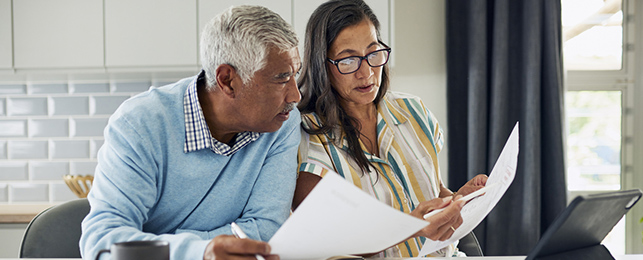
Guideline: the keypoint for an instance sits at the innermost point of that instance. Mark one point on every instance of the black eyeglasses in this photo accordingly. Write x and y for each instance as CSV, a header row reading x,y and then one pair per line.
x,y
351,64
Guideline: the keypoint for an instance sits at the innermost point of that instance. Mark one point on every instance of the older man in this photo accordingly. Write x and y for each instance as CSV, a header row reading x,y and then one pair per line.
x,y
182,162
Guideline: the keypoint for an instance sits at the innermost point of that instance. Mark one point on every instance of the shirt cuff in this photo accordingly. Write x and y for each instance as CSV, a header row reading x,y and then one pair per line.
x,y
313,168
196,249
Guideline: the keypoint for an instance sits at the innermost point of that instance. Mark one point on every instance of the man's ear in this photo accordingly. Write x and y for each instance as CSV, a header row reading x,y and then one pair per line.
x,y
226,77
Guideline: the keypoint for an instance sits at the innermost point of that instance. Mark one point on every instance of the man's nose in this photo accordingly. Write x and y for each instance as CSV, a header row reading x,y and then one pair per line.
x,y
293,95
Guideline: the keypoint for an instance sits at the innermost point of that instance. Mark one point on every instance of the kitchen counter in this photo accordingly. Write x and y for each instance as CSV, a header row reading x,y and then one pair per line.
x,y
20,213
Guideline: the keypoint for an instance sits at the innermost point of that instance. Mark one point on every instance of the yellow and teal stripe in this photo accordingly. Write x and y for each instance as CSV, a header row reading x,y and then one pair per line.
x,y
407,171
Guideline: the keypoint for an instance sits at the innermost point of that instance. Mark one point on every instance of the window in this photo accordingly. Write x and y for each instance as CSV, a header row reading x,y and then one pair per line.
x,y
593,140
592,34
599,106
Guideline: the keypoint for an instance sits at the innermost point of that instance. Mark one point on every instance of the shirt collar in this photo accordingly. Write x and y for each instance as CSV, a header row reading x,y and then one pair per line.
x,y
197,132
394,109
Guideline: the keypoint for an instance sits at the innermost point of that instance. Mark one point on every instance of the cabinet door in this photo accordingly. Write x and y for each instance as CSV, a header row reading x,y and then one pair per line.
x,y
210,8
150,33
6,48
304,8
58,34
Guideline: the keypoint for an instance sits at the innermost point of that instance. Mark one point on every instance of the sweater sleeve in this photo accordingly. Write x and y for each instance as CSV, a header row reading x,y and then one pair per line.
x,y
125,188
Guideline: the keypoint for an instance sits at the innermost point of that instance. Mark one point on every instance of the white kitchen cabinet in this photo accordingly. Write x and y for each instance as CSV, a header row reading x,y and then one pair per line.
x,y
57,34
124,34
210,8
304,8
150,33
6,48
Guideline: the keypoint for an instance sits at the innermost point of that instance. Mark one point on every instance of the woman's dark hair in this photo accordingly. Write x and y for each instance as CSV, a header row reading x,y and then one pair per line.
x,y
328,20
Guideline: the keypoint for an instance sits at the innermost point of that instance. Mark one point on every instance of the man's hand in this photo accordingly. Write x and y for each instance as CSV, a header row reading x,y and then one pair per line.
x,y
229,247
473,185
442,225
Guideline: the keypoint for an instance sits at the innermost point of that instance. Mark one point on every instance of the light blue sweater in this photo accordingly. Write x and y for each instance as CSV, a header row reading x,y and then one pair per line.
x,y
145,185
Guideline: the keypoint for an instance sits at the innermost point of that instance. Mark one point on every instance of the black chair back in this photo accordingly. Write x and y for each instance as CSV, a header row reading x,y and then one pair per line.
x,y
469,245
55,232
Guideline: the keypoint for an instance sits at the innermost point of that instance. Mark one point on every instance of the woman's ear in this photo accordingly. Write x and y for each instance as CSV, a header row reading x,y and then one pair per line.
x,y
226,76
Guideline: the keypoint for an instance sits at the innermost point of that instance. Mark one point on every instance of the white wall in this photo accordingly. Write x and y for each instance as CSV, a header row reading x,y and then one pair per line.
x,y
419,61
10,238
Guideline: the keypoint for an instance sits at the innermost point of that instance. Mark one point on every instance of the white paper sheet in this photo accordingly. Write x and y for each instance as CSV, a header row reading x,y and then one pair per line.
x,y
476,210
337,218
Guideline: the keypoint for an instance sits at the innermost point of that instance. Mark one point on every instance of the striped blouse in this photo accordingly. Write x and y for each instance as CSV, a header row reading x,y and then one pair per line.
x,y
409,139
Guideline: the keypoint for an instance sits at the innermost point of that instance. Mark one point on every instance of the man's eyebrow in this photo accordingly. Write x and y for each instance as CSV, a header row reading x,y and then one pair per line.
x,y
283,75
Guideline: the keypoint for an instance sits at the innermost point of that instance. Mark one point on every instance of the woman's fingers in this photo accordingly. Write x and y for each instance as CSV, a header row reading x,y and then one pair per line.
x,y
428,206
480,180
474,184
442,225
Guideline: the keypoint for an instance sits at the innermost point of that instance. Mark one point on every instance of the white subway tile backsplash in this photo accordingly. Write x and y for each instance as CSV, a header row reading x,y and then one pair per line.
x,y
89,126
133,87
13,89
13,171
94,146
162,83
3,149
51,129
48,88
61,192
36,106
106,105
28,150
4,192
70,105
89,88
83,168
13,128
65,149
28,192
3,103
48,128
48,170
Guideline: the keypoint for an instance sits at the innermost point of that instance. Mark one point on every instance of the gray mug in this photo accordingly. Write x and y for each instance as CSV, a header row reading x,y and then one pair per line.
x,y
139,250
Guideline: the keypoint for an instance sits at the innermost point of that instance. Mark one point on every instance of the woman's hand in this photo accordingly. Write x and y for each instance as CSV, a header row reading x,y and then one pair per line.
x,y
473,185
442,225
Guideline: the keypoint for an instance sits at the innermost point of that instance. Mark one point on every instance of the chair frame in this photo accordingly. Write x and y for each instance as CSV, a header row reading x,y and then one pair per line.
x,y
55,232
469,245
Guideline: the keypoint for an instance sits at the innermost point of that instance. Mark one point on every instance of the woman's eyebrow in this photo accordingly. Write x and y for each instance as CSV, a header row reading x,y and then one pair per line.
x,y
351,51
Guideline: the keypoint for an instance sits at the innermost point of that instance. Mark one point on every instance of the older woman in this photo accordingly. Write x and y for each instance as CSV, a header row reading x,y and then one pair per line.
x,y
384,142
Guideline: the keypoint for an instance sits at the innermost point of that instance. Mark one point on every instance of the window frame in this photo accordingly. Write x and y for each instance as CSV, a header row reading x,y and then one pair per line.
x,y
631,86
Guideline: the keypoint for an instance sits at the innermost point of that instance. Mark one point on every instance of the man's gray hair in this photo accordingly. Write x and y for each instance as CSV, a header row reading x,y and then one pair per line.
x,y
241,37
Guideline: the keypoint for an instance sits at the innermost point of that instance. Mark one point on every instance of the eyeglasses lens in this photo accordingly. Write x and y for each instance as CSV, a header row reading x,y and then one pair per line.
x,y
352,64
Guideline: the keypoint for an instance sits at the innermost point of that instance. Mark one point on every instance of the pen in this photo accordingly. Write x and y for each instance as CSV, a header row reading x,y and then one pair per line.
x,y
236,230
467,198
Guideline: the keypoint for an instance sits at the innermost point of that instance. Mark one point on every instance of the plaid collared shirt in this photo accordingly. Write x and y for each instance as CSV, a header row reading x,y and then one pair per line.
x,y
197,132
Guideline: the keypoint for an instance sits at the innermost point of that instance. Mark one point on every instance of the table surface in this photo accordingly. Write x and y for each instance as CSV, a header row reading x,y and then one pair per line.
x,y
624,257
20,213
